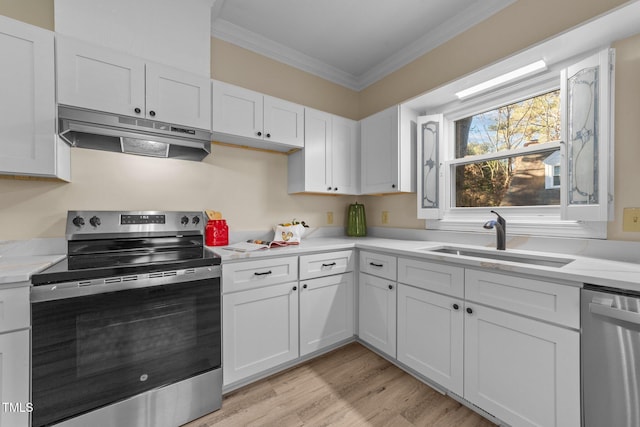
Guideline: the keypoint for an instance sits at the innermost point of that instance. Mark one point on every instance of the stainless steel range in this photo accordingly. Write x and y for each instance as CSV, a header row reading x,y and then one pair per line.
x,y
126,331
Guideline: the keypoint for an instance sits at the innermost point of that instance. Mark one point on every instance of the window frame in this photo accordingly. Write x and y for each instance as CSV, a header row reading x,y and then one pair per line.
x,y
525,220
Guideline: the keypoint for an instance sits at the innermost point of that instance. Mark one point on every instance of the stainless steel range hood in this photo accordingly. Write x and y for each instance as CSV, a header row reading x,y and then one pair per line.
x,y
122,134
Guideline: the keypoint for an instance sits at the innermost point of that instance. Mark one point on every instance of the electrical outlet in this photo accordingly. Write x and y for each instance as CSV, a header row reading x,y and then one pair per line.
x,y
385,217
631,219
329,218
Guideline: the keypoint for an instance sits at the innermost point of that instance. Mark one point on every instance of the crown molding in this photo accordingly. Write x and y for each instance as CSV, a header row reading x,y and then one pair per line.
x,y
444,32
229,32
225,30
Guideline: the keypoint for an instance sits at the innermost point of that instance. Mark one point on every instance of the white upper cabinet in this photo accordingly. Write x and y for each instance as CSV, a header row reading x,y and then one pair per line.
x,y
388,151
28,142
244,117
330,160
102,79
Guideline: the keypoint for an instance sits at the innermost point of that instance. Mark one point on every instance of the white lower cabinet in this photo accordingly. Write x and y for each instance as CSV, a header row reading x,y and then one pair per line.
x,y
377,312
430,335
14,357
523,371
507,344
14,373
326,311
260,330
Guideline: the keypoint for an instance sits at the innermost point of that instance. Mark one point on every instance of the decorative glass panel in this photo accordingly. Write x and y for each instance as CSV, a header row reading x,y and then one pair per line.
x,y
430,136
582,144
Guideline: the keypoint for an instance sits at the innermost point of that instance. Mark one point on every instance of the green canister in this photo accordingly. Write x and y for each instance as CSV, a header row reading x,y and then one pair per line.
x,y
356,221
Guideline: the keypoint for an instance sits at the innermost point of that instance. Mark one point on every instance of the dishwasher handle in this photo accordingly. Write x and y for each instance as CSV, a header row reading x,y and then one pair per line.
x,y
615,313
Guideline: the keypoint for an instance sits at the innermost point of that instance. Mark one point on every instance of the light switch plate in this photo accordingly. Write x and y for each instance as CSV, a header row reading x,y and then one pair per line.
x,y
631,219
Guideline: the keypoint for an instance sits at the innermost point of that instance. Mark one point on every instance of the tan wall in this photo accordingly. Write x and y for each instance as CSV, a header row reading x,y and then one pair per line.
x,y
249,187
627,139
34,12
235,65
515,28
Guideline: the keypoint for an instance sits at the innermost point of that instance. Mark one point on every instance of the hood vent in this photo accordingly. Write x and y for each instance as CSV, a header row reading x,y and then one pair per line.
x,y
111,132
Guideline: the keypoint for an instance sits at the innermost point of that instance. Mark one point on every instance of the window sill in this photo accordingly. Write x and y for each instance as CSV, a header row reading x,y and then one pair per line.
x,y
541,226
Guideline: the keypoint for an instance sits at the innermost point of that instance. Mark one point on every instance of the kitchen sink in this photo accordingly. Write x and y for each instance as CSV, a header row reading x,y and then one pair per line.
x,y
547,261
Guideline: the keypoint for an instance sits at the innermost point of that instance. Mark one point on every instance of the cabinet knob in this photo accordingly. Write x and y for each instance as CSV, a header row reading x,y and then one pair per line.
x,y
390,286
328,188
469,310
393,186
152,113
137,110
304,286
295,288
268,135
259,133
335,189
456,306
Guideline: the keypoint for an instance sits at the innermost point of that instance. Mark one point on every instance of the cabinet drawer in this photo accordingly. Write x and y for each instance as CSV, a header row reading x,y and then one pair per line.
x,y
326,264
378,265
432,276
253,274
548,301
14,309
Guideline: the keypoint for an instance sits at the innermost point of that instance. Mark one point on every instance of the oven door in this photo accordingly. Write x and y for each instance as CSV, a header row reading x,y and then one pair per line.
x,y
93,350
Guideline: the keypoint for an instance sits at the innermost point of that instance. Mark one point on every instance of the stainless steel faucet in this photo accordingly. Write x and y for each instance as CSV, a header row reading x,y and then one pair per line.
x,y
501,231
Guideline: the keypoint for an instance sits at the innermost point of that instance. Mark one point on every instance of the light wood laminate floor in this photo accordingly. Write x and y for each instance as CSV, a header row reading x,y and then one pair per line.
x,y
350,386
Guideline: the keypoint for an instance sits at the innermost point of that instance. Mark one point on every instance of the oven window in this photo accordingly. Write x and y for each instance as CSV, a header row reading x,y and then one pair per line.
x,y
121,336
92,351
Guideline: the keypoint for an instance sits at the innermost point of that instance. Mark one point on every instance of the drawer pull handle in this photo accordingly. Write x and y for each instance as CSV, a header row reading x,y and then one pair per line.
x,y
304,286
329,265
456,306
469,310
373,264
262,274
391,287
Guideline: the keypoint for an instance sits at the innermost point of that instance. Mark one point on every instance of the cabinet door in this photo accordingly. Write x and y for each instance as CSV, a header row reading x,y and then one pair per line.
x,y
100,79
27,103
525,372
345,156
14,374
326,311
430,336
317,151
379,142
260,330
283,122
237,111
377,313
177,97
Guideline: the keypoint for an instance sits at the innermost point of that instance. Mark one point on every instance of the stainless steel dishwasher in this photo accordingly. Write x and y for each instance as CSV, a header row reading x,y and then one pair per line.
x,y
610,349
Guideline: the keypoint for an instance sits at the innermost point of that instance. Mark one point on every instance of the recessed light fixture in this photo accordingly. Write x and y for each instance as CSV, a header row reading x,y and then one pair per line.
x,y
527,70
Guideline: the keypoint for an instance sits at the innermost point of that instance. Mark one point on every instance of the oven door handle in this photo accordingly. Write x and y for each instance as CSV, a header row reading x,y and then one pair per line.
x,y
615,313
59,291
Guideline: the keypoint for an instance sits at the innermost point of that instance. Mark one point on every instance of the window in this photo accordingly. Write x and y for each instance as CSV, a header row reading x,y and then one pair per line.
x,y
501,154
537,150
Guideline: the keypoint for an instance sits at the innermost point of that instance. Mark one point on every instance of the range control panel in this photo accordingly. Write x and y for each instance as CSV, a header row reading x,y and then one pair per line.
x,y
91,223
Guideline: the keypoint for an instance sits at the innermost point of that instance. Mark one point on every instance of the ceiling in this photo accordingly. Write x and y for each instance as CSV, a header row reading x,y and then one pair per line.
x,y
350,42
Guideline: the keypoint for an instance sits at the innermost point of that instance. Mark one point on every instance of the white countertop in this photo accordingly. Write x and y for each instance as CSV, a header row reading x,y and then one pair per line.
x,y
18,269
623,275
